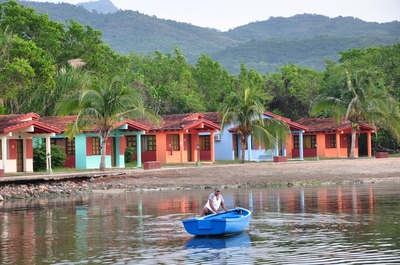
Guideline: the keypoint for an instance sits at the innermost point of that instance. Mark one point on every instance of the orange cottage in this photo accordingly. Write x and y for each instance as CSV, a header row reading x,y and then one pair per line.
x,y
326,138
181,138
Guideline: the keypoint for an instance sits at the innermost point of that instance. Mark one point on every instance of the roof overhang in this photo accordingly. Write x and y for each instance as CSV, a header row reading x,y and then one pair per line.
x,y
131,126
202,124
32,126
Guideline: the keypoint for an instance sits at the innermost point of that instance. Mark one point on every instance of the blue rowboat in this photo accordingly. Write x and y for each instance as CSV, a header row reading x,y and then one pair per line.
x,y
230,222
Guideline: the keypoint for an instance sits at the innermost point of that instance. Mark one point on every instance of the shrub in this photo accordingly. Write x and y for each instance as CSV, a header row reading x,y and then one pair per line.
x,y
58,157
129,152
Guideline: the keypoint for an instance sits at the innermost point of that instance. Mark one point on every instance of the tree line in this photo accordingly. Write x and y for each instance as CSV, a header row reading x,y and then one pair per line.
x,y
42,62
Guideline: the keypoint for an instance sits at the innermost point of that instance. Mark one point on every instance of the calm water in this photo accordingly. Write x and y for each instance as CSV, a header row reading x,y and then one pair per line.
x,y
355,224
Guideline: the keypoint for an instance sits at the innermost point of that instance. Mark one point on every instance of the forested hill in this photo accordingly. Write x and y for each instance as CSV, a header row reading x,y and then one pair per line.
x,y
309,26
305,39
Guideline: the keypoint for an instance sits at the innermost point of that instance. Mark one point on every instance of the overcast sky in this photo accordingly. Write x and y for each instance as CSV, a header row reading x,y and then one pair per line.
x,y
227,14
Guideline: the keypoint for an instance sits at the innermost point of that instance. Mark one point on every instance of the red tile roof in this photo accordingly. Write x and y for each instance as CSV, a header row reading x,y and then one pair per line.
x,y
17,122
329,125
132,126
169,122
58,122
214,117
62,122
293,125
182,122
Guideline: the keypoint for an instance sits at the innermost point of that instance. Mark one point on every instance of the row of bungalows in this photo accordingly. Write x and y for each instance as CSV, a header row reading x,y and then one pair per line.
x,y
309,138
227,143
181,138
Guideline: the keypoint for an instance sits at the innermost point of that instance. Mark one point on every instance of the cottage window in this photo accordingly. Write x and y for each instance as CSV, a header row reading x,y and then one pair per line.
x,y
131,141
67,146
332,140
309,141
148,143
96,149
296,142
205,143
175,142
70,147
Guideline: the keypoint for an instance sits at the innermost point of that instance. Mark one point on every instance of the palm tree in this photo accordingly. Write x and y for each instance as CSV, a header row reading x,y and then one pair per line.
x,y
361,103
243,108
102,105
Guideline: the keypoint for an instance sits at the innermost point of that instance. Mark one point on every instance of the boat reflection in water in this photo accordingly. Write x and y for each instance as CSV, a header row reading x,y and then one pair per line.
x,y
231,249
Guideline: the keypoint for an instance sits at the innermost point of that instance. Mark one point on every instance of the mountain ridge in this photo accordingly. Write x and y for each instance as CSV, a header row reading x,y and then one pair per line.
x,y
129,31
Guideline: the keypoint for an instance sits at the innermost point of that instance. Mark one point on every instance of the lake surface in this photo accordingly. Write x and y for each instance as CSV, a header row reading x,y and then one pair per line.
x,y
352,224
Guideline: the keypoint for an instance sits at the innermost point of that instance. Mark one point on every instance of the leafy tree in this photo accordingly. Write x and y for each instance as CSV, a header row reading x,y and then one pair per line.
x,y
212,80
61,42
169,83
68,80
362,102
244,108
293,90
25,65
36,50
382,65
251,78
5,46
29,26
151,75
28,70
102,104
383,62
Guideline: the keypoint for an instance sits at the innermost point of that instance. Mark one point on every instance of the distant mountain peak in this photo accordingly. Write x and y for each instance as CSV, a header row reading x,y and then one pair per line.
x,y
99,6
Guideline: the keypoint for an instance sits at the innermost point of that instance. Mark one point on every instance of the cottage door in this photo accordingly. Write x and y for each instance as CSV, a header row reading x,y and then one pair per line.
x,y
20,155
235,146
189,147
348,145
113,152
362,144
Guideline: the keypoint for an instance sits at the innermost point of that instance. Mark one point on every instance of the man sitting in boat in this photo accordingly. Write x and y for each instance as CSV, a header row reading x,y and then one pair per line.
x,y
215,200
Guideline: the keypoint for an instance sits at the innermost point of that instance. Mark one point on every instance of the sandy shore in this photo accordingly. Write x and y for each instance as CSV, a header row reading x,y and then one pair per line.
x,y
206,176
263,174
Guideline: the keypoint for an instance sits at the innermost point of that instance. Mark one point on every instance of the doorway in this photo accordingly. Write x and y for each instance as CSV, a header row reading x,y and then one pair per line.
x,y
189,147
362,144
235,146
20,155
348,145
113,152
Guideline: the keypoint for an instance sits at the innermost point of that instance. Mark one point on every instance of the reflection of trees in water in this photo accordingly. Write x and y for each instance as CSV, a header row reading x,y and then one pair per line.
x,y
131,225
